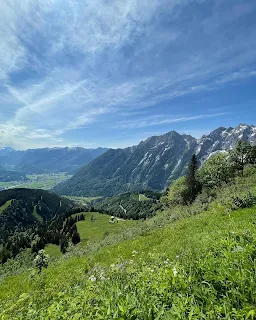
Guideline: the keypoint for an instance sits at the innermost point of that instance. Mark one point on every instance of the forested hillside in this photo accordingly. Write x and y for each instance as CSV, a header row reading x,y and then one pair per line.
x,y
127,206
30,219
151,165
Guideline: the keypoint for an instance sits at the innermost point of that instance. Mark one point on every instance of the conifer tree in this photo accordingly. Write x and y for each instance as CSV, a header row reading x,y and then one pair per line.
x,y
63,244
76,238
192,182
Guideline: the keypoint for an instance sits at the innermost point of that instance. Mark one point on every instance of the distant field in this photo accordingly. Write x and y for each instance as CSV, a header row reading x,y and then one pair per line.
x,y
38,181
99,228
82,200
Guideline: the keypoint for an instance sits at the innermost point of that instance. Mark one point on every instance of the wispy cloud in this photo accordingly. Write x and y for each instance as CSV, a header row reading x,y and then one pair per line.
x,y
142,123
69,65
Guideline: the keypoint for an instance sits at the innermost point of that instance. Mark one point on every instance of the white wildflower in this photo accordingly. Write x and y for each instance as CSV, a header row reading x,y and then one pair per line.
x,y
134,253
92,278
175,272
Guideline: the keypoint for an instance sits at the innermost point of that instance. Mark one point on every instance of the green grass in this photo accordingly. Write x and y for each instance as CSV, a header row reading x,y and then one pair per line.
x,y
53,251
37,216
142,197
100,228
5,206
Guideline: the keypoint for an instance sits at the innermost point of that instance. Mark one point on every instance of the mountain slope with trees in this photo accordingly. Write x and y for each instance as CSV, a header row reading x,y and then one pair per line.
x,y
151,165
32,218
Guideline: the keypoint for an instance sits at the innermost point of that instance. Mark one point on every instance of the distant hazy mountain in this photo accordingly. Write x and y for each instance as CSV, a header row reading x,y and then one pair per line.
x,y
9,175
152,164
48,160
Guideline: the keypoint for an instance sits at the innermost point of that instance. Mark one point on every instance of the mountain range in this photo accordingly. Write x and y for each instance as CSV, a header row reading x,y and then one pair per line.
x,y
48,160
151,165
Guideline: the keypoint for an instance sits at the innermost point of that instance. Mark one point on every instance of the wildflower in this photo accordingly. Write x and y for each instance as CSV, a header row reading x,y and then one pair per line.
x,y
238,249
92,278
175,272
167,262
102,277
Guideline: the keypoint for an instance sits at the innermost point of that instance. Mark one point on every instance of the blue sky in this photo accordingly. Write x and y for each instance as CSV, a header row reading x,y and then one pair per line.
x,y
112,73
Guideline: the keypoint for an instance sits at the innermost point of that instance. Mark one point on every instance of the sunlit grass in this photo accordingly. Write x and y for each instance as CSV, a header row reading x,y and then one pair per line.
x,y
53,251
5,206
37,216
96,226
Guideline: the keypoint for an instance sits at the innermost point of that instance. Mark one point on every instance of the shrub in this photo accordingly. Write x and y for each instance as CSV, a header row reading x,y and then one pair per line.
x,y
41,261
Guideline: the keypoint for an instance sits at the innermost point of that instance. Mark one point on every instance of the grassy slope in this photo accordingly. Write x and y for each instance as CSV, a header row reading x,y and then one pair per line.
x,y
5,206
97,230
193,233
64,286
37,216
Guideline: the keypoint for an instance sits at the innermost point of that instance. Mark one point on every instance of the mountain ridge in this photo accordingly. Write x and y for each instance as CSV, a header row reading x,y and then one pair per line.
x,y
48,160
152,164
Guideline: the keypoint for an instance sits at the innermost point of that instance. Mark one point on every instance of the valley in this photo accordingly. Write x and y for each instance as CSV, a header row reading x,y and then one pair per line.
x,y
37,181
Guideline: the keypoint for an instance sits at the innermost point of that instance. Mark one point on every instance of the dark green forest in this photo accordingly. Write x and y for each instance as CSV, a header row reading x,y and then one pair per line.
x,y
34,218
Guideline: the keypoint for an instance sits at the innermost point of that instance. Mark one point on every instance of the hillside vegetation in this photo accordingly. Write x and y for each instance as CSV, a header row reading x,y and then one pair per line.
x,y
195,259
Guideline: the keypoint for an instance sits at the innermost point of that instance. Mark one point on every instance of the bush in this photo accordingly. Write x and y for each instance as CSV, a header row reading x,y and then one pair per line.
x,y
216,171
41,261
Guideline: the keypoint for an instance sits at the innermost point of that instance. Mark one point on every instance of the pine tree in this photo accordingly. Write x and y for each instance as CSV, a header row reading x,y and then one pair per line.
x,y
76,238
63,244
192,182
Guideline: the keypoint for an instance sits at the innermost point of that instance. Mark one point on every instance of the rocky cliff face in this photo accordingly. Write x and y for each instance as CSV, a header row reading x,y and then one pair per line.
x,y
152,164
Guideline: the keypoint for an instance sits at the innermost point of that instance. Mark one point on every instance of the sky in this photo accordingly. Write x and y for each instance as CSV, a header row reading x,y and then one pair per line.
x,y
110,73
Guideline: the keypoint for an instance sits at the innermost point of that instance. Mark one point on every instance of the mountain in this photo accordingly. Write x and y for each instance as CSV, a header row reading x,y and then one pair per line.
x,y
9,175
48,160
152,164
5,150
